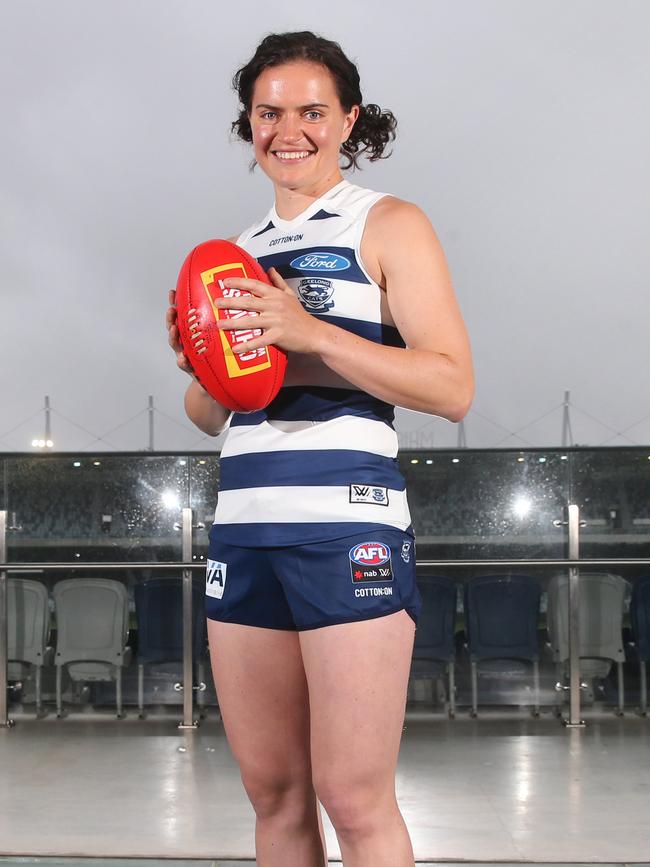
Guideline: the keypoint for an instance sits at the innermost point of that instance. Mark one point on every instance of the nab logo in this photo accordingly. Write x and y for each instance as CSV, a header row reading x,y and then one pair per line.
x,y
215,579
370,554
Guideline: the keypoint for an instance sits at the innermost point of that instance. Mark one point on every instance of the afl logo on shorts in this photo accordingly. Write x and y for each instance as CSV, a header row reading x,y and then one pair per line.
x,y
370,561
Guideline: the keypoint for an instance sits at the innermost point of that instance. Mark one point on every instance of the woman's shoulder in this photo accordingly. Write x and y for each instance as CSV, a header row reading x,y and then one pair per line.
x,y
390,208
392,218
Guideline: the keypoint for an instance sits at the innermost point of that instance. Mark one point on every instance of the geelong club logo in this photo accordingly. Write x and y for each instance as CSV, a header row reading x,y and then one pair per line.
x,y
316,293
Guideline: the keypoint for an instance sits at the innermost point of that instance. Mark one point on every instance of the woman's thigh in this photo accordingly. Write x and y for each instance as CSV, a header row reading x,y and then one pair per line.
x,y
264,703
358,677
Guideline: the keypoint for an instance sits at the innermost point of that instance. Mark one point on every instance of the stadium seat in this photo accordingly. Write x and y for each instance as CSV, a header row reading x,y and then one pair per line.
x,y
601,626
159,612
28,621
92,617
501,614
640,622
434,648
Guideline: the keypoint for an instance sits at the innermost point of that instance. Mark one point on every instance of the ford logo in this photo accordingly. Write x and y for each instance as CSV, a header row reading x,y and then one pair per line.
x,y
320,262
370,554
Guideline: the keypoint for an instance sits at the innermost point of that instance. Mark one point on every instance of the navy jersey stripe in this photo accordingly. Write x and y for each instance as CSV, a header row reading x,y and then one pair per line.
x,y
323,215
321,467
266,228
263,535
318,403
282,263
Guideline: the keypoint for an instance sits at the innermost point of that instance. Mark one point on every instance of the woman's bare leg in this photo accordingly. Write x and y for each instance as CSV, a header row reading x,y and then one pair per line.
x,y
358,677
264,703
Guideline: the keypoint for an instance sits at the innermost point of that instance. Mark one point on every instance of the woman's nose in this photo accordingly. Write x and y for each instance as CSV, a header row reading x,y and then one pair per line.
x,y
290,128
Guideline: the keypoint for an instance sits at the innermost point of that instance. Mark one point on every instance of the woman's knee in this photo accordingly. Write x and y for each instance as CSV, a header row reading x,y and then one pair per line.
x,y
357,808
280,794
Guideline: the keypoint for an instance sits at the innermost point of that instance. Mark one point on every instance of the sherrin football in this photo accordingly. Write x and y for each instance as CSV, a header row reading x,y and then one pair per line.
x,y
245,381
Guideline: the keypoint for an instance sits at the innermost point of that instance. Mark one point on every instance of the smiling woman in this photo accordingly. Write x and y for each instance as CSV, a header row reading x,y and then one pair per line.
x,y
311,561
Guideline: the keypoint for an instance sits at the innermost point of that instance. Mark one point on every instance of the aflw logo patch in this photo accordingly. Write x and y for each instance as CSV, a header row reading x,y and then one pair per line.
x,y
369,494
215,579
370,561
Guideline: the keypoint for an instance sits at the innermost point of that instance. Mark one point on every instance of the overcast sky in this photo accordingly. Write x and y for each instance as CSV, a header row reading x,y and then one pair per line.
x,y
523,134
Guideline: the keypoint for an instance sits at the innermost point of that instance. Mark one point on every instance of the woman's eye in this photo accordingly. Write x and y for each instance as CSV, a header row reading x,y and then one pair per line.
x,y
268,115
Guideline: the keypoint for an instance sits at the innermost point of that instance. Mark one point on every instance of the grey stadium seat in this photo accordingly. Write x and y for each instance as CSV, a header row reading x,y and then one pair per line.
x,y
92,616
28,622
601,625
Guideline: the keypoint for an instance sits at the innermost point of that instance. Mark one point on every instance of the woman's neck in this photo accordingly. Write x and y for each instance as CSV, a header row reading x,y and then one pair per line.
x,y
289,203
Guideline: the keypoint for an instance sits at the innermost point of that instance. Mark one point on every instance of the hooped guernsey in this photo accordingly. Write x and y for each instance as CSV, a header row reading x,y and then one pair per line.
x,y
320,462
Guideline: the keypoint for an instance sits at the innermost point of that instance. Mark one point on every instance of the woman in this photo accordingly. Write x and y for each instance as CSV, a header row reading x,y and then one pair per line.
x,y
312,621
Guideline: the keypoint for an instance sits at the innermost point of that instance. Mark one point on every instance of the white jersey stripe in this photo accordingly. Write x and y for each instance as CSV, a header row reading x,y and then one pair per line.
x,y
310,505
344,432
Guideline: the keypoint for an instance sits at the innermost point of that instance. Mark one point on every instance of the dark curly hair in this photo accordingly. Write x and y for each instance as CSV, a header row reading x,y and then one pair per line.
x,y
373,129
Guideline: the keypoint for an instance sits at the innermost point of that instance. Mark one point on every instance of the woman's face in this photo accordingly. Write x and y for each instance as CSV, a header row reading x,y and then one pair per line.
x,y
298,124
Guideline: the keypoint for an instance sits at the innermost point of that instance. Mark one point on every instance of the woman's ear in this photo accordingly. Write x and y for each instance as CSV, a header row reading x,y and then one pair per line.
x,y
350,120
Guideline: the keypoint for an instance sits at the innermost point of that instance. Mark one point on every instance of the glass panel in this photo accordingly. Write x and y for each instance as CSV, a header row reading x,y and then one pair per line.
x,y
96,508
612,489
204,484
486,505
3,487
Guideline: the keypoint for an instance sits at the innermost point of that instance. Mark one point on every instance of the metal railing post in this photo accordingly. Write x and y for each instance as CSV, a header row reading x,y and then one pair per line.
x,y
4,721
188,679
574,620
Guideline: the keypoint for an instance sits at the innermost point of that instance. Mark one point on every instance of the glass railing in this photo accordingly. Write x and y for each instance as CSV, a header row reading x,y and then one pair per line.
x,y
475,513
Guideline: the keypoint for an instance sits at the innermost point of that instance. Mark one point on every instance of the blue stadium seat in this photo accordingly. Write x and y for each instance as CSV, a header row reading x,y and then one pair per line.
x,y
434,648
159,613
501,614
640,622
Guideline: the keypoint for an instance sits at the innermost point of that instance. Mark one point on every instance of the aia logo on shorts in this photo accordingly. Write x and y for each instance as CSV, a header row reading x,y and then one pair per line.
x,y
215,578
370,561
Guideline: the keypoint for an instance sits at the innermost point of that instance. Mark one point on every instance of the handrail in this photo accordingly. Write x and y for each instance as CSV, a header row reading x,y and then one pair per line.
x,y
179,564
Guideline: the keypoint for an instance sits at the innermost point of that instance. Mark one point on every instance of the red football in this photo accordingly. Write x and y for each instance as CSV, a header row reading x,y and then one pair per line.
x,y
242,382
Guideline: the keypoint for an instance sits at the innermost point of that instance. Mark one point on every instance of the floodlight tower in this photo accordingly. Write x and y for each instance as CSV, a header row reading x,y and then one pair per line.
x,y
151,423
567,435
462,439
47,441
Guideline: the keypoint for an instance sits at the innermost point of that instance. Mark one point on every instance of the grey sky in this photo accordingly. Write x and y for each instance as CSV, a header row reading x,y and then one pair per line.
x,y
523,133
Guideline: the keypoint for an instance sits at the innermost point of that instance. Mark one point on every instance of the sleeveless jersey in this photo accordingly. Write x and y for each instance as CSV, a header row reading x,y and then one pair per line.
x,y
320,462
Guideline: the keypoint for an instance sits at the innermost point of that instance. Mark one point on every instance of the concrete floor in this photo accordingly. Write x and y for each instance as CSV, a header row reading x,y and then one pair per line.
x,y
503,787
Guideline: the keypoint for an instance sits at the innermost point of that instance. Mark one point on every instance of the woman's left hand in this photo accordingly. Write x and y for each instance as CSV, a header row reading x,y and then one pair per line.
x,y
284,321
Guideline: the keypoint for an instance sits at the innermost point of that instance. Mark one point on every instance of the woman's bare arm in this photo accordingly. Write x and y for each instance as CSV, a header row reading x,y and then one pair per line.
x,y
208,415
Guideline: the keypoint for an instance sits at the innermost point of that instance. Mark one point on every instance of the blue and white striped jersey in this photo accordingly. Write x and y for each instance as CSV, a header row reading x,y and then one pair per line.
x,y
320,462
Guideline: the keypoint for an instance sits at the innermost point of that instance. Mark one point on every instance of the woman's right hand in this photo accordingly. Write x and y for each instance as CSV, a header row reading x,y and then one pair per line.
x,y
174,336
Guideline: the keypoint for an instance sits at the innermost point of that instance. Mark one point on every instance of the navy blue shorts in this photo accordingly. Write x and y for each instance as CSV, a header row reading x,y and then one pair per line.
x,y
298,587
